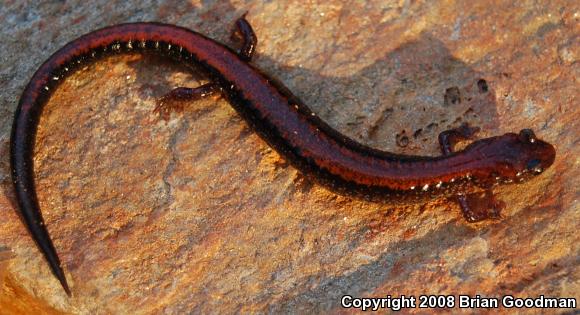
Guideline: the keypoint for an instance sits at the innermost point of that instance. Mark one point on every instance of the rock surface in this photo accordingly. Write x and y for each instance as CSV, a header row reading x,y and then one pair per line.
x,y
197,214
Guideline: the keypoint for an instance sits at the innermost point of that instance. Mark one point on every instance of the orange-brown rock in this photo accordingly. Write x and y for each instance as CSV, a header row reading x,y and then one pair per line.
x,y
197,214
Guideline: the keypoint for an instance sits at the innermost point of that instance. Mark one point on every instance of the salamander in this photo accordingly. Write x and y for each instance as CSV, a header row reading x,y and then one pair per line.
x,y
281,119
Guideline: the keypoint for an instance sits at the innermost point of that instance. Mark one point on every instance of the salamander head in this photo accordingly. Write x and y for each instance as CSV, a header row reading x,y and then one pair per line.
x,y
515,157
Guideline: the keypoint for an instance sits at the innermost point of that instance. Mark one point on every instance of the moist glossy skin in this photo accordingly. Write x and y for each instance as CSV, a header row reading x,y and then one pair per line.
x,y
282,120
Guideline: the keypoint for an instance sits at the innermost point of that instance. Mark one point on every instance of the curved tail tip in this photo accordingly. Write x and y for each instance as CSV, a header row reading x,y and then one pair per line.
x,y
65,286
58,272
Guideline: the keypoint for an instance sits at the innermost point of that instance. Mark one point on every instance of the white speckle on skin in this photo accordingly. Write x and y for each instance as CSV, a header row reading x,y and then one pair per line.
x,y
426,187
412,187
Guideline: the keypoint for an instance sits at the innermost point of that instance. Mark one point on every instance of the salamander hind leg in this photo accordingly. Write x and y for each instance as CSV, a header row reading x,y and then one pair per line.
x,y
176,98
475,206
244,32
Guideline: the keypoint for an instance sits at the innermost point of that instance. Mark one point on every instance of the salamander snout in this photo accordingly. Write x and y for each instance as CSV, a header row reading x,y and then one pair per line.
x,y
538,154
514,157
523,156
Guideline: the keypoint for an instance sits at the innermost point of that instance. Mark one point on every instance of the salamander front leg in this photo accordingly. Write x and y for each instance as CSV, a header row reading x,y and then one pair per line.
x,y
176,99
449,138
480,206
476,206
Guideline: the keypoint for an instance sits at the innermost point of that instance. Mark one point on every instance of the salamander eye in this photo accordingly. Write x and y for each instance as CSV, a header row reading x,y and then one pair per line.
x,y
534,165
527,135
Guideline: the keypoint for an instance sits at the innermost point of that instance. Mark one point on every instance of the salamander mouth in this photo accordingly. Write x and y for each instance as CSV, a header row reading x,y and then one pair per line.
x,y
521,175
534,166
